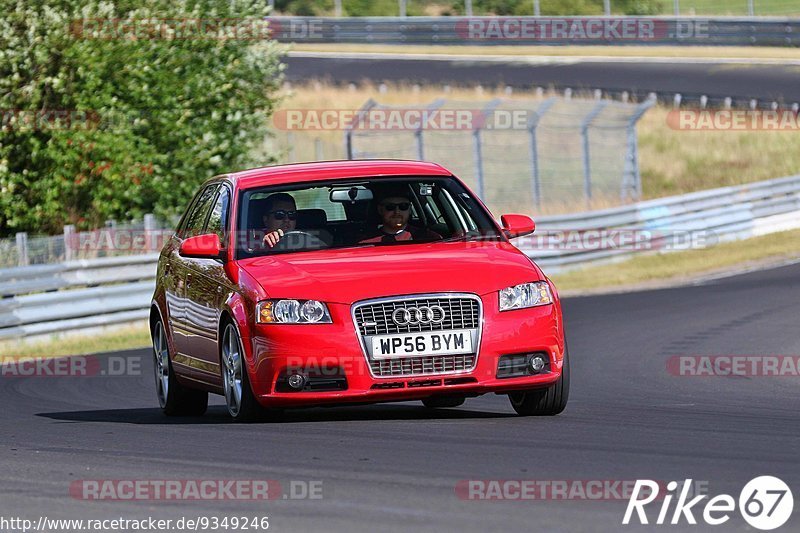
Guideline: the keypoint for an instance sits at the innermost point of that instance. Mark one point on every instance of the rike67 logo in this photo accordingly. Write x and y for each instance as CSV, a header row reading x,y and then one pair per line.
x,y
765,503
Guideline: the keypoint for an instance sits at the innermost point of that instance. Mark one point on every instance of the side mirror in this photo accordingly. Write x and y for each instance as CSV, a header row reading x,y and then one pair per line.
x,y
202,247
517,225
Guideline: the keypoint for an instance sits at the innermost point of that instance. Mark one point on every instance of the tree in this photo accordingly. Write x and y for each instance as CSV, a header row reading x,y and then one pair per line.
x,y
115,109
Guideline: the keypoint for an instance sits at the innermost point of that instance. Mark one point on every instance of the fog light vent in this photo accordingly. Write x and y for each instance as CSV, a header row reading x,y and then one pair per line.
x,y
536,364
523,364
297,381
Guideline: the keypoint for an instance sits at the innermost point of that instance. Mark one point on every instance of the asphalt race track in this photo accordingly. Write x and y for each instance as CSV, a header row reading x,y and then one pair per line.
x,y
395,467
766,83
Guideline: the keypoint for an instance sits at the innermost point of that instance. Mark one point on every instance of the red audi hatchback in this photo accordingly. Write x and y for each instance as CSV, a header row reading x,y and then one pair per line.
x,y
351,282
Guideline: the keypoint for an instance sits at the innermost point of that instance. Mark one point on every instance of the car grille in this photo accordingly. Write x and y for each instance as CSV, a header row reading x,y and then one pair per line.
x,y
376,319
461,312
420,366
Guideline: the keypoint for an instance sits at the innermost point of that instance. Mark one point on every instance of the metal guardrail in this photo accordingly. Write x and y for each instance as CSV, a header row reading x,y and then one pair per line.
x,y
740,31
715,215
45,299
89,272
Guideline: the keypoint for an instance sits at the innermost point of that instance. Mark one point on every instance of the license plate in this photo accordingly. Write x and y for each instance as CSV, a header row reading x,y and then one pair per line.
x,y
427,343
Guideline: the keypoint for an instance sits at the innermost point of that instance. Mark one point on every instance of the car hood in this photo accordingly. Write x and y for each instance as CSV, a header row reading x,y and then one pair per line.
x,y
348,275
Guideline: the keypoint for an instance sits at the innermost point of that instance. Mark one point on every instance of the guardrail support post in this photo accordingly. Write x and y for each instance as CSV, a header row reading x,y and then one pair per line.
x,y
69,242
22,248
587,161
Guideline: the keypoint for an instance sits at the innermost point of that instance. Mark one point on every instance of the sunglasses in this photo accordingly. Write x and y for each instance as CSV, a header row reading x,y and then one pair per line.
x,y
390,206
282,214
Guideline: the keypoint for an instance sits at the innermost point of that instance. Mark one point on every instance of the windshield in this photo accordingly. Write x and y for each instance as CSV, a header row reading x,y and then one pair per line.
x,y
363,212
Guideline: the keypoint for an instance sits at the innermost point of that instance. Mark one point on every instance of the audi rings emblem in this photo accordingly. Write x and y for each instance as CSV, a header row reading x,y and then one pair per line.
x,y
414,316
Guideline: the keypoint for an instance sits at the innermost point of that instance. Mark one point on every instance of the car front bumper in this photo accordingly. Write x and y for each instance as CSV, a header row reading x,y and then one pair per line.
x,y
333,351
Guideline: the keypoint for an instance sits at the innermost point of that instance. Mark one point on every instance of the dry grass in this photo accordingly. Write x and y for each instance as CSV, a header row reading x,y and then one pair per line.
x,y
680,266
710,52
678,161
110,340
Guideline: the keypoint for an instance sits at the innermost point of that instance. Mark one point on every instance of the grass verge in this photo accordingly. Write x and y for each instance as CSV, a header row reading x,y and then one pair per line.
x,y
108,340
648,271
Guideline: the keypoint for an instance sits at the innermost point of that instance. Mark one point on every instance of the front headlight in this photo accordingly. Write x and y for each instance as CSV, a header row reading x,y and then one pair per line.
x,y
525,295
292,312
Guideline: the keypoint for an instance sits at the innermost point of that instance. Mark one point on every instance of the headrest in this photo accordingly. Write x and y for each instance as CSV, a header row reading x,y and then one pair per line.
x,y
311,218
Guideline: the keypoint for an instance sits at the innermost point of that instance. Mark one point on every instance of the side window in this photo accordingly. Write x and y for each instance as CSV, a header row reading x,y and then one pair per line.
x,y
218,219
197,217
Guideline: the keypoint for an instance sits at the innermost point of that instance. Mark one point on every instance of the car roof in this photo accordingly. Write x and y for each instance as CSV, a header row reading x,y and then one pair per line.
x,y
328,170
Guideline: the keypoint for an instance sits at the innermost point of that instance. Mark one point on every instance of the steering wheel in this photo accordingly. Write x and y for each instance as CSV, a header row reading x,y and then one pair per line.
x,y
299,239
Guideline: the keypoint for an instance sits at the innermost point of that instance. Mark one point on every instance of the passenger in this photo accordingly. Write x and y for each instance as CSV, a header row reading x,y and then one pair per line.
x,y
394,211
280,216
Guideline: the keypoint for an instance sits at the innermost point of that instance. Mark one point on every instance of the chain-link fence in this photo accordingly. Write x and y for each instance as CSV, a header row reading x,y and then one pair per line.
x,y
538,156
115,239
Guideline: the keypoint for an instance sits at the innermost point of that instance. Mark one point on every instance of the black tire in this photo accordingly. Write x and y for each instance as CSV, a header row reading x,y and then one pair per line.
x,y
544,402
239,398
439,402
173,398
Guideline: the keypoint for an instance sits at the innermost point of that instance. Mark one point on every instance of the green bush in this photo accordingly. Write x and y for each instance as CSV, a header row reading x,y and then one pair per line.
x,y
114,127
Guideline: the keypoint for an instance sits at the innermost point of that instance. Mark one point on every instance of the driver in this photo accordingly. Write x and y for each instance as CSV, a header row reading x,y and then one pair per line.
x,y
280,216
